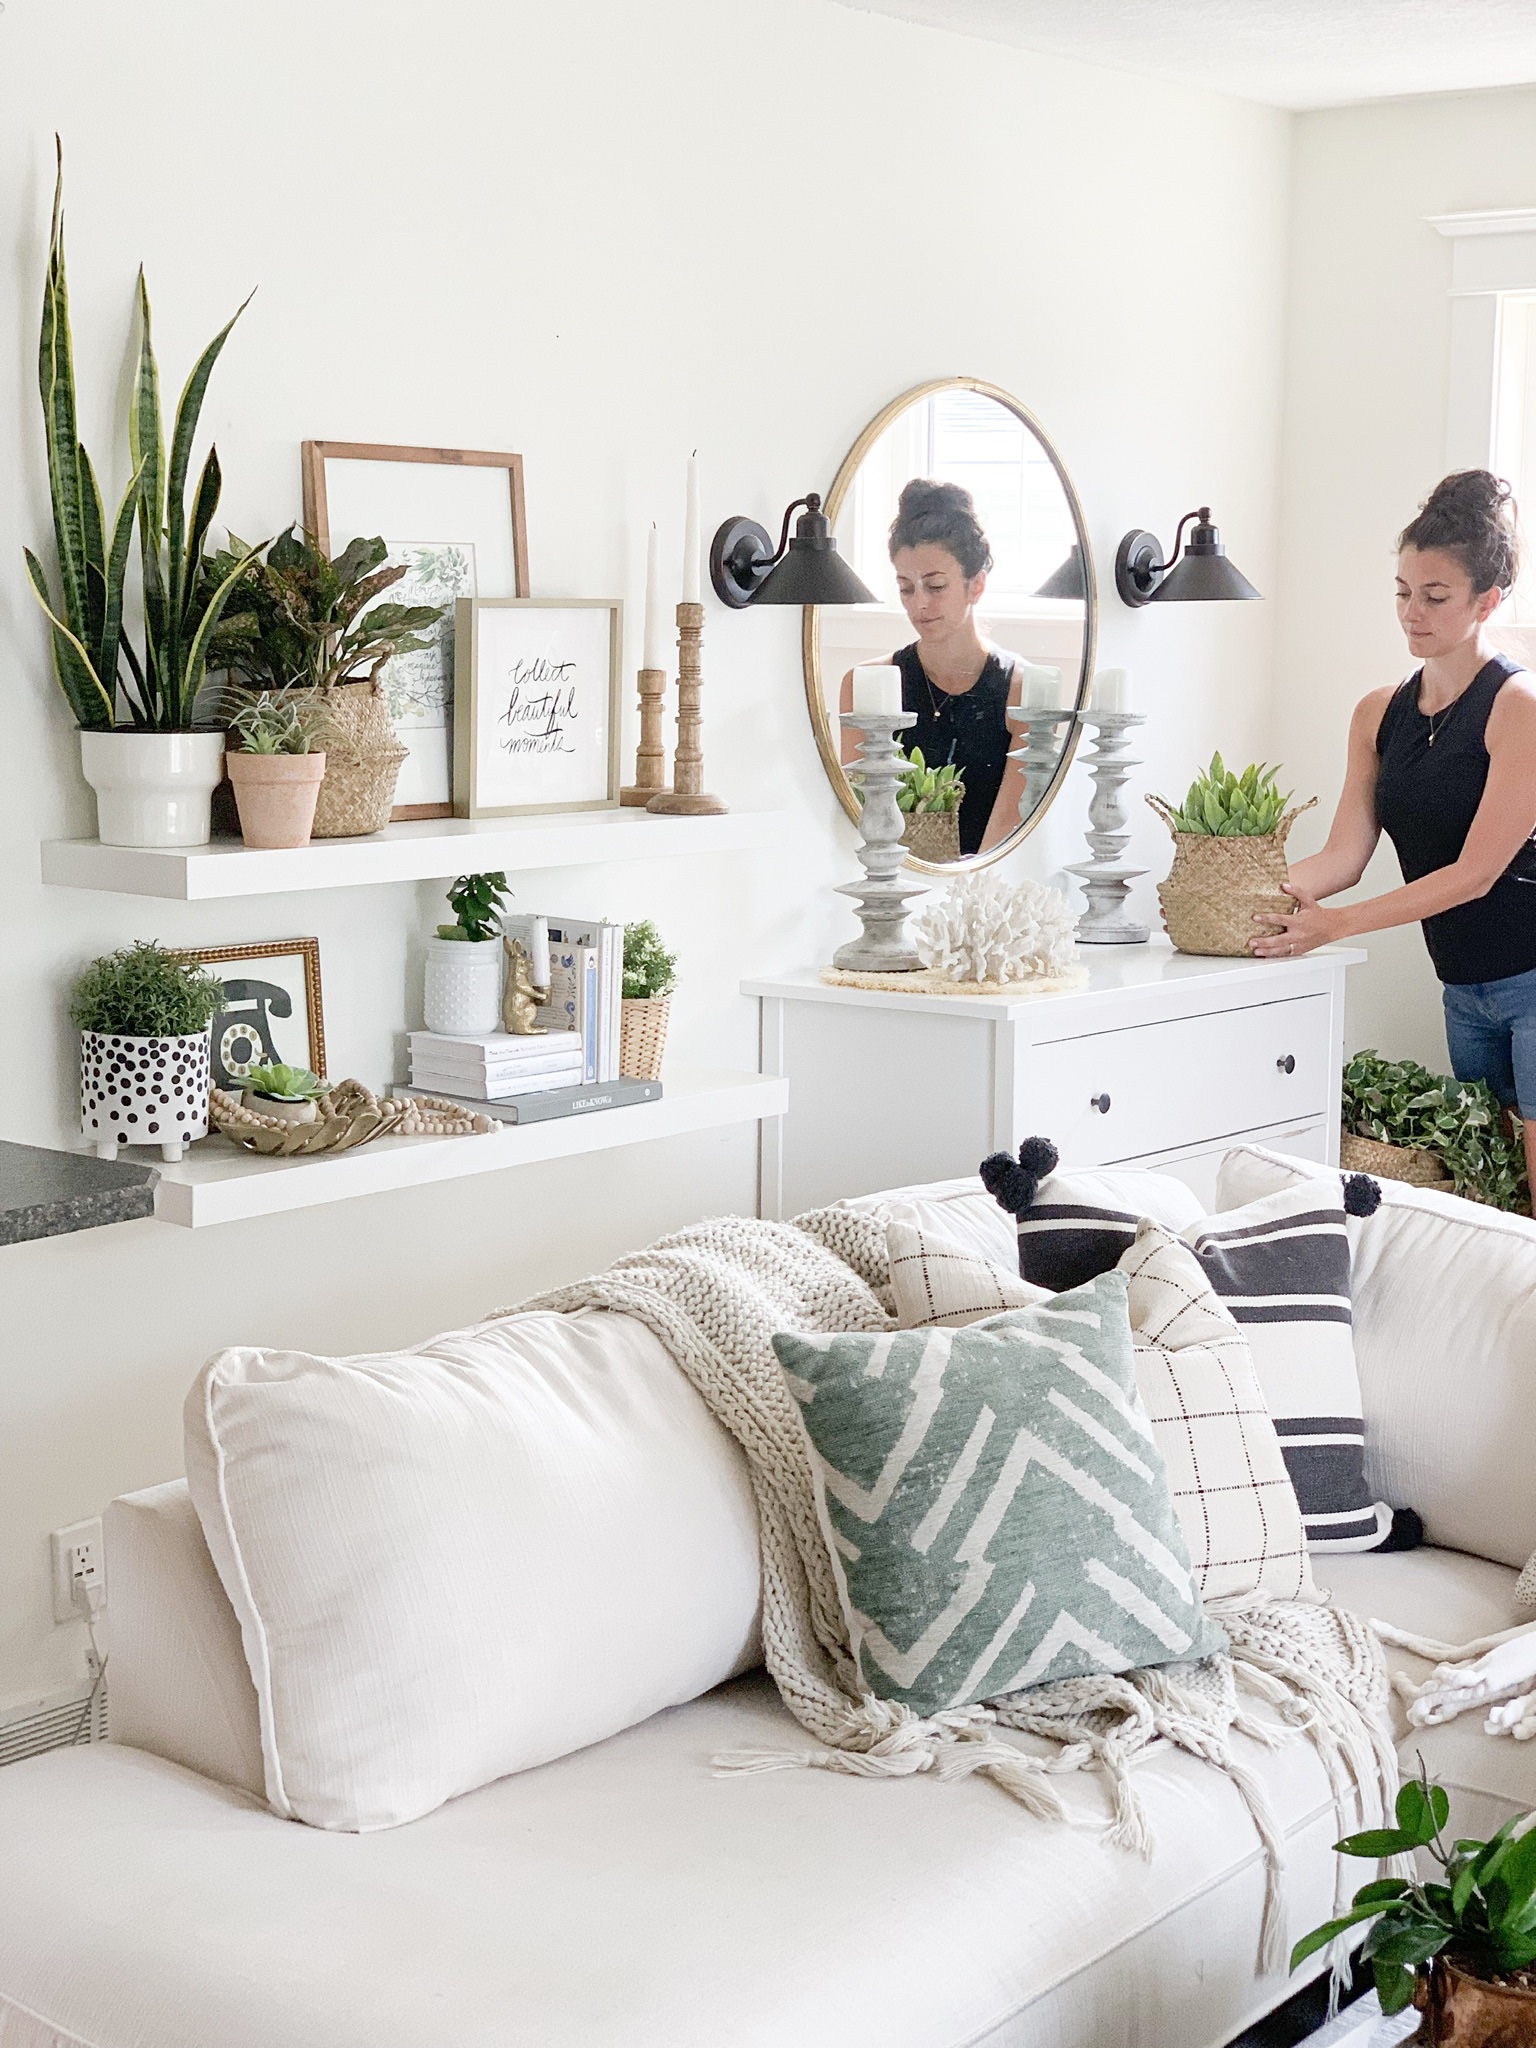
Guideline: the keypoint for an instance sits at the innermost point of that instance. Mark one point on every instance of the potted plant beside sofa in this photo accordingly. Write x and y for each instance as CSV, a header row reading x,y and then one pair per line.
x,y
650,976
463,991
1463,1950
154,775
143,1016
275,772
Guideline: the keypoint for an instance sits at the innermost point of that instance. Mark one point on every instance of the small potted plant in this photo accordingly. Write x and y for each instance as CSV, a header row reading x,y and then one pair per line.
x,y
291,1094
1402,1122
463,992
299,621
143,1016
1462,1950
650,976
1229,858
930,800
274,771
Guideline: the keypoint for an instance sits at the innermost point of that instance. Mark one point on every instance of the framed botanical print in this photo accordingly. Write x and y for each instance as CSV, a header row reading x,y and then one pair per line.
x,y
271,1008
454,519
536,705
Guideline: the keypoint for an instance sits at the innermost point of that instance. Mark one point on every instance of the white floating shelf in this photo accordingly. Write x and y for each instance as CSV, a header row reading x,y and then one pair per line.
x,y
216,1184
423,851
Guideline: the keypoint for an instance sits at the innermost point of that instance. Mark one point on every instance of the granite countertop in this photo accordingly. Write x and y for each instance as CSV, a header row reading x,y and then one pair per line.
x,y
45,1193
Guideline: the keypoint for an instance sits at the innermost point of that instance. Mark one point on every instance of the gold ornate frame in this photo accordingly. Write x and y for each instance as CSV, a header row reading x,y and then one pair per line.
x,y
272,949
821,724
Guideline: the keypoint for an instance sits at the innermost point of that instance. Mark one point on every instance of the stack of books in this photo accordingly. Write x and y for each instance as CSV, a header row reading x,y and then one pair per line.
x,y
586,986
496,1066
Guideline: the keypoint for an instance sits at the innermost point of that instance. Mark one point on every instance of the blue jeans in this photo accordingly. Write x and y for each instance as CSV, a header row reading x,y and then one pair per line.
x,y
1491,1029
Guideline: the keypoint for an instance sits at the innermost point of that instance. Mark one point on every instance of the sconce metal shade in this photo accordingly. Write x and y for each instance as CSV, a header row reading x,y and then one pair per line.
x,y
1067,578
807,569
1202,576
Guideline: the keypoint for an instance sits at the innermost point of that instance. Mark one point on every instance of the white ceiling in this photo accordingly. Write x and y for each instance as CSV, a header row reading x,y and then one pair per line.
x,y
1291,53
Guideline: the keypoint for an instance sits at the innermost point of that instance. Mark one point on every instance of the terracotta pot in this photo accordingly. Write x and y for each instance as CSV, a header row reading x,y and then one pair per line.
x,y
1466,2012
276,795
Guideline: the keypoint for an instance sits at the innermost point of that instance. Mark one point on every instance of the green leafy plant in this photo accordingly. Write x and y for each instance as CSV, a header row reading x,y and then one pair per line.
x,y
1222,805
649,969
181,607
269,725
921,788
142,991
1482,1917
475,901
1461,1122
299,620
284,1084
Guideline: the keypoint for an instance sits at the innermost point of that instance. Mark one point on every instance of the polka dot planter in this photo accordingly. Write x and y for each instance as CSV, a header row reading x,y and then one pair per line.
x,y
143,1091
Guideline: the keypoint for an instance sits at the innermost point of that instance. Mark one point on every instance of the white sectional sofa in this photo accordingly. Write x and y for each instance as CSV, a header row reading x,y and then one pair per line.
x,y
628,1896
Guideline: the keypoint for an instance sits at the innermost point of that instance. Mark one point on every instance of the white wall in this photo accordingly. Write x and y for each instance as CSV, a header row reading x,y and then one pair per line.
x,y
600,235
1365,422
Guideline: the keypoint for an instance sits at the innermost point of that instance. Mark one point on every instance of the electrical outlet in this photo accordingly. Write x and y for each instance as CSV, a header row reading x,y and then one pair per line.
x,y
79,1559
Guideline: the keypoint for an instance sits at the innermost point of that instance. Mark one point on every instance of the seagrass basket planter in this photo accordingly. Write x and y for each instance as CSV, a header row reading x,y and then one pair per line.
x,y
643,1036
1410,1163
933,836
1218,884
363,756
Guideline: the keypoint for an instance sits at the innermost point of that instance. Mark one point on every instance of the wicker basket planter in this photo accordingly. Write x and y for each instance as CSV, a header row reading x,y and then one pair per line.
x,y
933,836
1409,1163
363,756
643,1036
1218,885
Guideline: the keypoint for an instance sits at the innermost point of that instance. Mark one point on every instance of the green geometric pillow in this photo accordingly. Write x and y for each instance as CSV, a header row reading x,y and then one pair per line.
x,y
999,1514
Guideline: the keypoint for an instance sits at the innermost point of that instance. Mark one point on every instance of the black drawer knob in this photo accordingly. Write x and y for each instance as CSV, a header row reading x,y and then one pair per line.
x,y
1288,1064
1100,1103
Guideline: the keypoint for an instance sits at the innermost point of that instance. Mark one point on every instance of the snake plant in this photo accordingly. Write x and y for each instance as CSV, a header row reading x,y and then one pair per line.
x,y
180,611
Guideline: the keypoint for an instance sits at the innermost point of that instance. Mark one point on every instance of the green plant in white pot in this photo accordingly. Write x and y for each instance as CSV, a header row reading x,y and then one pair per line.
x,y
291,1094
143,1017
464,960
155,773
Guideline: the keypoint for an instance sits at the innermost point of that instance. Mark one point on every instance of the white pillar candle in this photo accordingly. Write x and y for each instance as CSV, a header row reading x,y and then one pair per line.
x,y
655,654
877,689
1112,690
1042,687
691,558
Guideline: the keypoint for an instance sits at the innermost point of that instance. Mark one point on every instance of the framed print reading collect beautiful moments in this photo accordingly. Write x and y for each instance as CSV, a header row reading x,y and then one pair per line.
x,y
536,705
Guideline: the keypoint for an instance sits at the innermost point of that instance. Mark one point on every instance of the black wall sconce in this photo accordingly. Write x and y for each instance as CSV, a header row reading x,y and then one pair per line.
x,y
1144,576
1068,578
807,569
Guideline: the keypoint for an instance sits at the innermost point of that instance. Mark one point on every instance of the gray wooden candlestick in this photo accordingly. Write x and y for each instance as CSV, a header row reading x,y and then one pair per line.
x,y
1040,755
1106,878
881,898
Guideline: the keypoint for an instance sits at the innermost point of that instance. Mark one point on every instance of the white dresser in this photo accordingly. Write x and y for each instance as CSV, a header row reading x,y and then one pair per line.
x,y
1162,1059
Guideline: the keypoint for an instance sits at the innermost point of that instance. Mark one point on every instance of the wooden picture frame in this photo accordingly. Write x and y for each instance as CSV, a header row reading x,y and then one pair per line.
x,y
284,998
496,534
538,667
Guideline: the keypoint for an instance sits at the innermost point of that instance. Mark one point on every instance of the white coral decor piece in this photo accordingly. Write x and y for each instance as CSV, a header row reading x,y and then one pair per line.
x,y
986,929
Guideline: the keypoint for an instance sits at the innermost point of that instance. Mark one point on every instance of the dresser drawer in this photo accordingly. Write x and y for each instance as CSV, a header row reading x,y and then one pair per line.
x,y
1117,1095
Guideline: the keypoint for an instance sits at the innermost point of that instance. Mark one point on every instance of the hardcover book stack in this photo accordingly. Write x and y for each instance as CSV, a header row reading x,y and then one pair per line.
x,y
496,1066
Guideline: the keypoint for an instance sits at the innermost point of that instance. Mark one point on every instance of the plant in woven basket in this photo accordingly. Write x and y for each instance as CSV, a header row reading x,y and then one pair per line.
x,y
141,991
921,789
1398,1102
1229,864
649,969
280,1083
476,902
1229,806
1481,1918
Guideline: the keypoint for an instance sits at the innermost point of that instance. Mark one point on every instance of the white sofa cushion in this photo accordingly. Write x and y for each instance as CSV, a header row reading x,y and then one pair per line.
x,y
461,1560
1445,1341
960,1210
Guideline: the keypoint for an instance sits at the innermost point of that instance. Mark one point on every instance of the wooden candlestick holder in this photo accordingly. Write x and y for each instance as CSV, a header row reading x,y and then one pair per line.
x,y
651,754
687,797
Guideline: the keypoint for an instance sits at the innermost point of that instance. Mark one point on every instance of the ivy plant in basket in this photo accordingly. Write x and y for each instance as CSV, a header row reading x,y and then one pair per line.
x,y
1229,858
650,976
143,1017
1463,1947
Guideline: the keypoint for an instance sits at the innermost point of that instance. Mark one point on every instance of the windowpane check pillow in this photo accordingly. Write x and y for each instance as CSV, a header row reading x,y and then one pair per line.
x,y
998,1512
1281,1266
936,1281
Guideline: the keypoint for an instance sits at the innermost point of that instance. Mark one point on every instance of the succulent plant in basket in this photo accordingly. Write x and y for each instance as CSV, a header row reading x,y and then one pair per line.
x,y
1463,1947
143,1017
930,800
1229,861
650,976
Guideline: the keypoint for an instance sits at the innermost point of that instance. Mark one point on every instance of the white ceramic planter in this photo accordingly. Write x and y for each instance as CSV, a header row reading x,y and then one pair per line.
x,y
463,987
285,1111
143,1091
152,788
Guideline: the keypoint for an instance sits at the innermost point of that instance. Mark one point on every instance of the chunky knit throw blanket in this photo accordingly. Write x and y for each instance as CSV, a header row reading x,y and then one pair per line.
x,y
714,1295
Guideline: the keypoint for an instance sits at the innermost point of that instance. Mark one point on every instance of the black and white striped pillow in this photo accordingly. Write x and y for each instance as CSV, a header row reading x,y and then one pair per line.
x,y
1075,1225
1280,1266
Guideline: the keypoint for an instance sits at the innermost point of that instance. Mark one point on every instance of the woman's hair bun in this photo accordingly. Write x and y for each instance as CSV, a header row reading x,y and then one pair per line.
x,y
933,513
1470,514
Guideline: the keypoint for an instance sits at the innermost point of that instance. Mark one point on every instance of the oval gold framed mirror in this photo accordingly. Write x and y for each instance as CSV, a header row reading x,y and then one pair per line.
x,y
1005,499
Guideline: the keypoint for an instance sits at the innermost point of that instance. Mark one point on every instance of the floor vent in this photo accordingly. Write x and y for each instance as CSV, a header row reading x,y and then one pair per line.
x,y
55,1724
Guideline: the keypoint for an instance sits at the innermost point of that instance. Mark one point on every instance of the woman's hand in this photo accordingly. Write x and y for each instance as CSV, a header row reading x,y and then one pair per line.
x,y
1309,926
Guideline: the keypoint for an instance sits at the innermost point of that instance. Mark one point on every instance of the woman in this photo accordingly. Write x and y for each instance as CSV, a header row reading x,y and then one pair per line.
x,y
959,685
1445,765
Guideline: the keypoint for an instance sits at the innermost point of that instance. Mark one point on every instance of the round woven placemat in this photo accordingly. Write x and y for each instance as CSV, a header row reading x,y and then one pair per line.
x,y
925,981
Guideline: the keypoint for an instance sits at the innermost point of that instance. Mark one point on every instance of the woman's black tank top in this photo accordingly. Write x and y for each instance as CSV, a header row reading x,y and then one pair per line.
x,y
969,731
1429,783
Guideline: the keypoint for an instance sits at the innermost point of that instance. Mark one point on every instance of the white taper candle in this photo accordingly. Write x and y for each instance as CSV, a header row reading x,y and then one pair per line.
x,y
655,653
692,561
